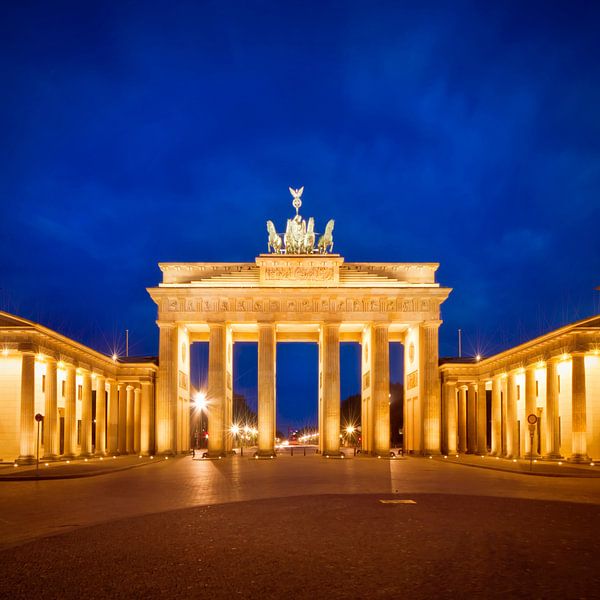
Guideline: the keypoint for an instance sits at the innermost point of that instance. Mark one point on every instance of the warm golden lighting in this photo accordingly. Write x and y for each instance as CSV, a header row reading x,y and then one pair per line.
x,y
200,401
235,430
5,352
478,357
114,356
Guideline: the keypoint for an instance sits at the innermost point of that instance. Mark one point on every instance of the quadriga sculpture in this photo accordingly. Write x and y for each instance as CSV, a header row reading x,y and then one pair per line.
x,y
326,240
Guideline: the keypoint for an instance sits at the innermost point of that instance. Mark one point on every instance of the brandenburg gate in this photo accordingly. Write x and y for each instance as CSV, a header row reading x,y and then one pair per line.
x,y
300,292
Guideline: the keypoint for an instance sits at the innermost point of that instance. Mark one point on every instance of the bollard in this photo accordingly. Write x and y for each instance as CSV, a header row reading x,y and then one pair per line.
x,y
304,450
291,450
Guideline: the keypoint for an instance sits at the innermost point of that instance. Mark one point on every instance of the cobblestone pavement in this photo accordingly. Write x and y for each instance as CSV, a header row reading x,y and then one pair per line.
x,y
31,509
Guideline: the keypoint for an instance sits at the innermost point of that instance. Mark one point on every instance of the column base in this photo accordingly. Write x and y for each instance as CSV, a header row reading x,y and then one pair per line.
x,y
554,456
68,457
579,458
50,458
86,455
26,460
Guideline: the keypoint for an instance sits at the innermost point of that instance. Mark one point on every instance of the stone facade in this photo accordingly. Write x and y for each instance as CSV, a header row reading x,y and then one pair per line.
x,y
315,298
87,399
555,377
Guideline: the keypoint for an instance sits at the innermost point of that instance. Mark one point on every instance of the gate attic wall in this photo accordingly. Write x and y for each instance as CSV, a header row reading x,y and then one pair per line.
x,y
316,298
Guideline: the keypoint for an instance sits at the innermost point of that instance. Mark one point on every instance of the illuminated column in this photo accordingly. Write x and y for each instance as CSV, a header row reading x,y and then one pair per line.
x,y
113,417
122,428
472,419
496,416
530,409
86,414
450,420
512,434
481,418
100,415
504,392
145,418
217,389
166,401
552,414
51,409
28,425
380,387
430,385
578,403
70,412
462,419
329,349
228,411
266,389
137,396
366,411
130,422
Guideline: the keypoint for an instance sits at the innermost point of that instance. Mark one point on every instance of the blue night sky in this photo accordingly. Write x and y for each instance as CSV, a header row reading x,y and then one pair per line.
x,y
465,133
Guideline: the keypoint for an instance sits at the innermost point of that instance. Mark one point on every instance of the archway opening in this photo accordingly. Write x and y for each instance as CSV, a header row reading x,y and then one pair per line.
x,y
350,394
396,395
297,403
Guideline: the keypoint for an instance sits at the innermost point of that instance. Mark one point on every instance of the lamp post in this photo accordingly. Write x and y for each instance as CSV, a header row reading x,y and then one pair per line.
x,y
39,418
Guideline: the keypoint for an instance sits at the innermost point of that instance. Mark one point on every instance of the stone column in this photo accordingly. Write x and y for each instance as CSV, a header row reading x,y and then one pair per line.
x,y
70,412
472,419
578,400
430,385
100,415
462,419
380,382
552,411
512,433
122,428
329,350
166,402
113,418
86,414
217,390
137,397
450,420
496,416
51,409
27,439
530,409
130,422
145,419
504,420
266,389
481,418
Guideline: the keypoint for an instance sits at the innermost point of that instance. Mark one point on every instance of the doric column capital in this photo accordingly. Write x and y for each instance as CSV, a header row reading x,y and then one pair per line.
x,y
432,324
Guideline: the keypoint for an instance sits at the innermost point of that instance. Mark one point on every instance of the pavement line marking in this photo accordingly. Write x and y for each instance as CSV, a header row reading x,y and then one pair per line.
x,y
397,502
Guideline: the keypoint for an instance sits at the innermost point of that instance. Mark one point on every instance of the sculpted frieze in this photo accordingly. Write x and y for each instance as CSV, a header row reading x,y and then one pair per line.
x,y
300,305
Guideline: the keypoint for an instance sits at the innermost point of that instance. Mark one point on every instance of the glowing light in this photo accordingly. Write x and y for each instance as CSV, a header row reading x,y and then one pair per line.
x,y
115,356
592,464
40,357
140,456
456,455
514,460
15,465
445,457
431,457
47,465
85,460
68,462
61,364
152,458
102,458
350,429
560,462
565,356
235,430
478,357
5,351
200,401
114,457
166,458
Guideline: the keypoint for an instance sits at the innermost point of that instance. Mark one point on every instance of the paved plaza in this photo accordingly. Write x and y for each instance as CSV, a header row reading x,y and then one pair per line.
x,y
301,526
